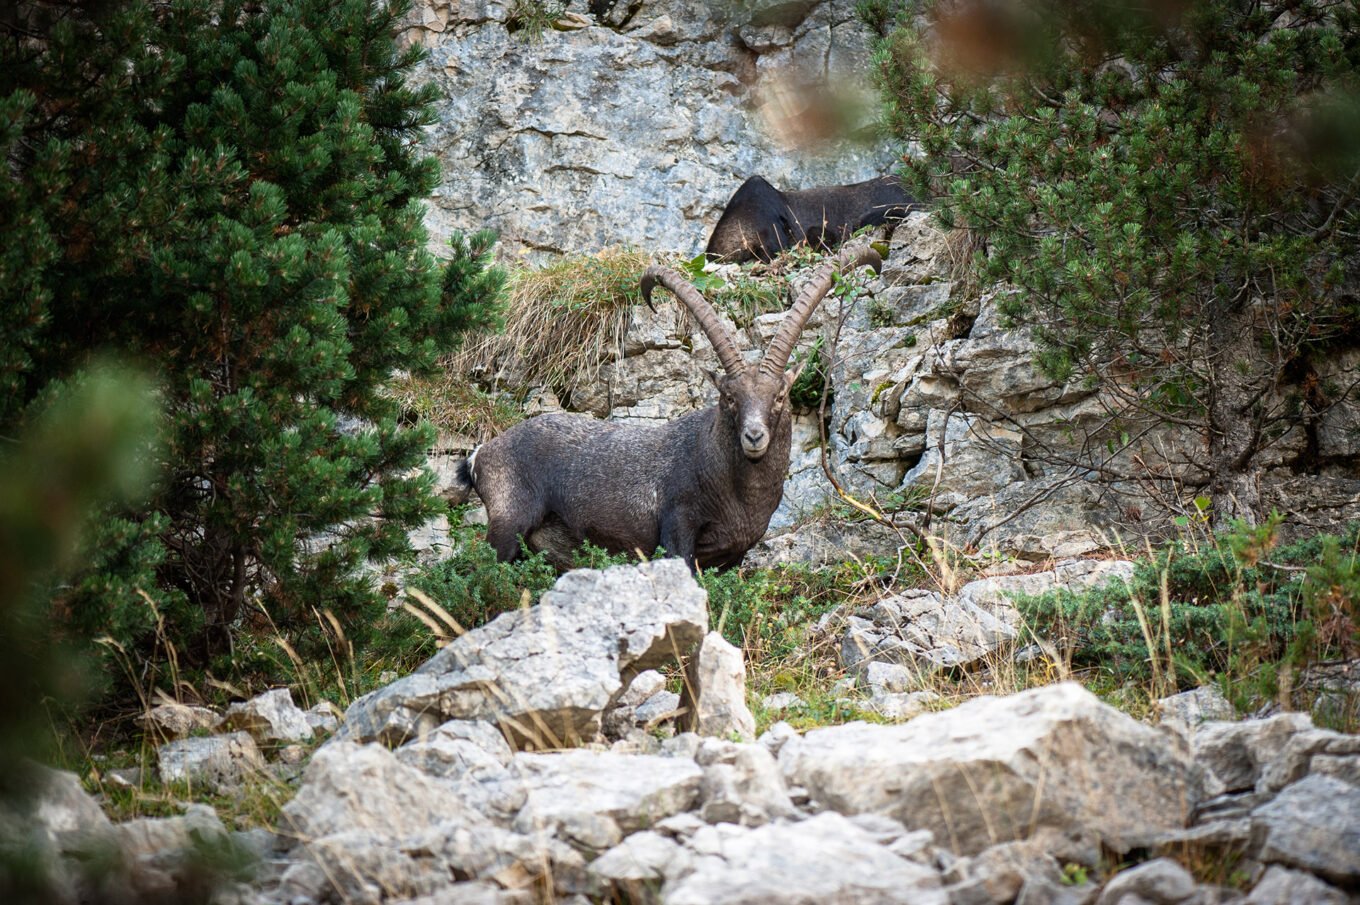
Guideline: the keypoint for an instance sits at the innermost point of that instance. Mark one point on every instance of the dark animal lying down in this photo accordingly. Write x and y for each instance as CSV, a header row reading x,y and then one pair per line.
x,y
760,221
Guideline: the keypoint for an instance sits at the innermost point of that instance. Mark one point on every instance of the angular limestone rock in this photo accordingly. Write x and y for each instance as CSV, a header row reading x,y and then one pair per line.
x,y
544,675
1160,880
171,720
1199,705
219,762
1281,886
717,679
151,836
458,748
365,788
271,717
1238,753
744,786
632,791
324,717
1312,826
917,632
901,706
638,866
997,769
823,859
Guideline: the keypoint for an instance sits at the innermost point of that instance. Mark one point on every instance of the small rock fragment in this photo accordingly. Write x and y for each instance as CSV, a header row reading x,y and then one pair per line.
x,y
218,762
718,677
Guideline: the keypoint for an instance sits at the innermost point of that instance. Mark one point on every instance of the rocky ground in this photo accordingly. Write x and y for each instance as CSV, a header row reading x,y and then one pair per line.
x,y
543,758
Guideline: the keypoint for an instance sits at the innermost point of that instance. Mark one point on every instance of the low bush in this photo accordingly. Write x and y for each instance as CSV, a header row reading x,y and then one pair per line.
x,y
1238,608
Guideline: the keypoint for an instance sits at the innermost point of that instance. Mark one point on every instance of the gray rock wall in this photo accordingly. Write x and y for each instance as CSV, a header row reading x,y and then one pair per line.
x,y
636,122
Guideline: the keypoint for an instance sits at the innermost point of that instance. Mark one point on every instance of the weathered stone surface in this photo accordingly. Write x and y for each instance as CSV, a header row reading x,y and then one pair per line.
x,y
377,829
995,769
965,457
889,677
1281,886
324,717
52,829
218,762
364,788
924,629
363,867
823,542
773,739
1199,705
1311,751
149,836
994,595
643,704
474,892
1024,871
1160,881
901,705
742,784
633,791
638,866
60,817
823,859
511,859
663,705
781,701
544,675
171,720
270,717
718,680
458,748
1312,826
634,124
920,631
1238,753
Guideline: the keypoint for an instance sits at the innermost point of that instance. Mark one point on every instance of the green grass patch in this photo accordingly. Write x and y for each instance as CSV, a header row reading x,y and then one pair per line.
x,y
1239,609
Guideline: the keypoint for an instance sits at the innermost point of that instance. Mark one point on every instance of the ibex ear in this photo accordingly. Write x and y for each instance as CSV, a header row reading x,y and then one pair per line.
x,y
713,377
791,377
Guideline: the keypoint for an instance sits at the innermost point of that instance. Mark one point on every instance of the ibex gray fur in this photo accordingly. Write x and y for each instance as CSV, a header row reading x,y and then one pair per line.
x,y
760,221
702,486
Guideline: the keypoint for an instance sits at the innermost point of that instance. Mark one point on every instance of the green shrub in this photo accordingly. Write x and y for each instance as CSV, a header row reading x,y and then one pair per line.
x,y
474,587
1236,610
1168,187
768,611
231,194
811,385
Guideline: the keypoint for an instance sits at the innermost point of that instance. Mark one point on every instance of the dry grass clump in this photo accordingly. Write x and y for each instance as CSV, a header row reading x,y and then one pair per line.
x,y
563,321
455,406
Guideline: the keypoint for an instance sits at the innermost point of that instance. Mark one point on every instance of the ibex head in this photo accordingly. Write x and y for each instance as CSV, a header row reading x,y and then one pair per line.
x,y
753,401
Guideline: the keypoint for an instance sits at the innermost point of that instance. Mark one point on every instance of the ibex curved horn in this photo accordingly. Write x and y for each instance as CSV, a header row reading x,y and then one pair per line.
x,y
703,312
781,347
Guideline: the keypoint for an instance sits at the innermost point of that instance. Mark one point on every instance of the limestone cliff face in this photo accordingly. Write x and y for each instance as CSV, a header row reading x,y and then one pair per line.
x,y
633,122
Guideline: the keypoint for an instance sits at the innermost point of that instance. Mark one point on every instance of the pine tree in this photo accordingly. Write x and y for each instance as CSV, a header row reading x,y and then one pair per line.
x,y
1171,187
230,193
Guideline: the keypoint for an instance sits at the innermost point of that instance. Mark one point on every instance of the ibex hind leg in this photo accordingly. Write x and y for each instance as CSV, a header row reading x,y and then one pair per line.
x,y
556,542
507,521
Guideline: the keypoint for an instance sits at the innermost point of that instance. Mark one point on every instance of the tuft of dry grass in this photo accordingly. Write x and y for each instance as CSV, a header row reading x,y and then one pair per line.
x,y
454,405
564,321
963,246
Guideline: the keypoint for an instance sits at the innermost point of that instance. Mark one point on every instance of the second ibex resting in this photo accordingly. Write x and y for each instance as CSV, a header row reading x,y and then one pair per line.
x,y
702,486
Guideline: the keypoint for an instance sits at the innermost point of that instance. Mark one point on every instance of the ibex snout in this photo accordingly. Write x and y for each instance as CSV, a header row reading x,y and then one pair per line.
x,y
755,439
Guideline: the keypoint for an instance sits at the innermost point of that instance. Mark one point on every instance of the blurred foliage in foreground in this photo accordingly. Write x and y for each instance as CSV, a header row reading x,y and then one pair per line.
x,y
88,445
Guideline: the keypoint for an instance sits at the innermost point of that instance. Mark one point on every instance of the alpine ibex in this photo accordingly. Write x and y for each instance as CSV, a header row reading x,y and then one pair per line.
x,y
702,486
760,221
